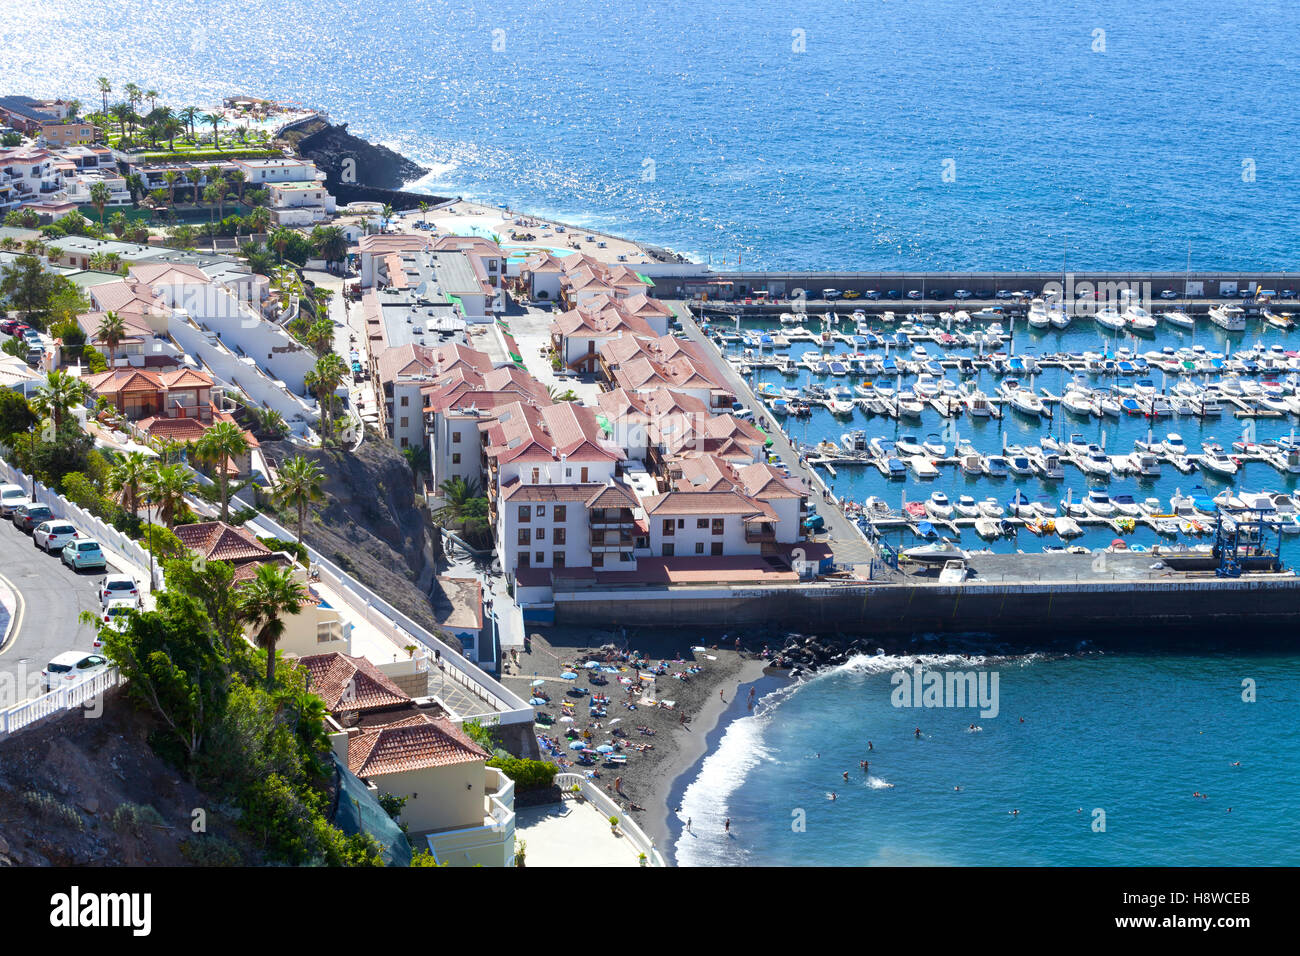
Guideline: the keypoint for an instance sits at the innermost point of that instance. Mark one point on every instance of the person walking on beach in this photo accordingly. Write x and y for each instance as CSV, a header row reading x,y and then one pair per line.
x,y
720,697
688,824
727,825
618,786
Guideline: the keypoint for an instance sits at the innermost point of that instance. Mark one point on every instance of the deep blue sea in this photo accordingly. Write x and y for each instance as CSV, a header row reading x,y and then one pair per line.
x,y
873,134
812,135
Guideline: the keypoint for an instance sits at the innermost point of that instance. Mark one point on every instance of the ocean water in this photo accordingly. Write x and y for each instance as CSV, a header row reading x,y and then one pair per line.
x,y
782,136
1130,735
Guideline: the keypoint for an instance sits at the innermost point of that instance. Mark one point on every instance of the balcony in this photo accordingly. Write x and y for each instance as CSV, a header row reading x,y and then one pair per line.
x,y
763,534
602,542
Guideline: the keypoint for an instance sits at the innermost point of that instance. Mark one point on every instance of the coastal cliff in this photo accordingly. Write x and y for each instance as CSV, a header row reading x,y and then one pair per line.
x,y
357,170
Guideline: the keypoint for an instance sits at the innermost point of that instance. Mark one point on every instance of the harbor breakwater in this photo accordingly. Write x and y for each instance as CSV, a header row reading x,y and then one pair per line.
x,y
1253,604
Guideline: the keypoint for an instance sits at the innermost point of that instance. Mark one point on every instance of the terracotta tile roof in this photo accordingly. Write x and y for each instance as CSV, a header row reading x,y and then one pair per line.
x,y
352,683
179,429
169,273
385,244
408,359
765,481
576,435
706,503
614,495
218,541
519,492
416,743
606,322
543,262
126,296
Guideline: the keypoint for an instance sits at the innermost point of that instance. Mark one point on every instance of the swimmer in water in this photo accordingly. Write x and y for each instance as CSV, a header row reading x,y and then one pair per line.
x,y
1022,720
846,775
917,731
957,789
1237,763
1014,813
869,747
831,795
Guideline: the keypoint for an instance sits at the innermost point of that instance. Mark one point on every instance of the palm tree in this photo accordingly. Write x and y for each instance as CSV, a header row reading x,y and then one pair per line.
x,y
264,602
330,243
258,218
387,215
210,196
424,212
194,175
325,377
320,336
216,119
170,178
99,198
152,97
104,89
221,443
298,486
129,478
238,178
279,240
121,112
111,331
456,495
188,116
58,396
168,487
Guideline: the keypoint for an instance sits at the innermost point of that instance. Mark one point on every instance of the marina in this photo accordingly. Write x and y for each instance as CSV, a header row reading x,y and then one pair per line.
x,y
1068,437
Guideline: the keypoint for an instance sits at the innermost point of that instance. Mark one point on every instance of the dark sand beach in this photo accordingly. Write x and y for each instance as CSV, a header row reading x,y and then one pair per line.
x,y
649,776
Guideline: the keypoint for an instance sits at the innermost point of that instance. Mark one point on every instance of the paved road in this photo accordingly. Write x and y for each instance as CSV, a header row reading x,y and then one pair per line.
x,y
46,624
844,538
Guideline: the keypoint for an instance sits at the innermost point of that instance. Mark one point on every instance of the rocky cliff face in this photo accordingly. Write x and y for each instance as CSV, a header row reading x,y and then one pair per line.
x,y
350,160
370,524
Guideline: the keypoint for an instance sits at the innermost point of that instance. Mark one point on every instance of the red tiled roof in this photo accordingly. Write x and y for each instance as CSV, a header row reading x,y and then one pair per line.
x,y
352,683
218,541
415,743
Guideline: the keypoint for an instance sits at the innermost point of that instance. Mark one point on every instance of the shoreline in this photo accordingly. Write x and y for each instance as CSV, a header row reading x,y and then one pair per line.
x,y
691,746
670,827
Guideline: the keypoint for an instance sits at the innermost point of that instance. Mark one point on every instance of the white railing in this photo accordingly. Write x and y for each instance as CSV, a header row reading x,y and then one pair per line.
x,y
368,606
14,719
105,534
635,835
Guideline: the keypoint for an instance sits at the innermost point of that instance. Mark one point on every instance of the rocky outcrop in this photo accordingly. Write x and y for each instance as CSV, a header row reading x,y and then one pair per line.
x,y
350,160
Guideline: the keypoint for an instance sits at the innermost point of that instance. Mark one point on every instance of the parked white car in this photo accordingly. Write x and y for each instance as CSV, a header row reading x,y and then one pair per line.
x,y
11,497
119,587
72,667
117,612
51,536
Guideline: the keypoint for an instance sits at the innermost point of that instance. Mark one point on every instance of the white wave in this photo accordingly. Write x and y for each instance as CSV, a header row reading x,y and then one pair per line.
x,y
878,783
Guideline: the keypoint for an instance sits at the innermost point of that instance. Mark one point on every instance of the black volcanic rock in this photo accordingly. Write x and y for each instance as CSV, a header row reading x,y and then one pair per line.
x,y
350,160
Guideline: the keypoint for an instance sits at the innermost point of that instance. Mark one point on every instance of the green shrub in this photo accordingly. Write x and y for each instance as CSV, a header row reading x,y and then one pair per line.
x,y
204,850
527,774
134,817
49,807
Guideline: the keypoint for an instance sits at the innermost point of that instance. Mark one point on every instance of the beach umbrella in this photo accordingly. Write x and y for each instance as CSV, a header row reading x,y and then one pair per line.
x,y
605,749
591,665
577,745
569,675
536,701
537,683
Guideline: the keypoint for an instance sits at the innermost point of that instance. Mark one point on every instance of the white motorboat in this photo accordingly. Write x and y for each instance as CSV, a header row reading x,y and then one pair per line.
x,y
1025,401
1107,317
1178,319
854,442
967,507
1139,319
940,552
990,508
972,464
1098,503
1079,403
1216,461
1038,317
1096,462
1230,318
1067,527
1174,446
995,466
989,528
939,506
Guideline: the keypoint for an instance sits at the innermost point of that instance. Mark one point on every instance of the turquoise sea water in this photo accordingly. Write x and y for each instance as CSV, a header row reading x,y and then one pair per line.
x,y
809,135
1132,735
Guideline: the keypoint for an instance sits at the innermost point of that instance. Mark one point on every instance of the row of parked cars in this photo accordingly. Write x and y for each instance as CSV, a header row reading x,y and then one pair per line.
x,y
29,336
119,594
